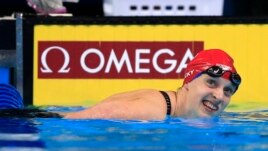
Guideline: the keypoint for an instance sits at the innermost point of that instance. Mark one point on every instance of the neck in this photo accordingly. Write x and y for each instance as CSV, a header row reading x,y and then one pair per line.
x,y
179,103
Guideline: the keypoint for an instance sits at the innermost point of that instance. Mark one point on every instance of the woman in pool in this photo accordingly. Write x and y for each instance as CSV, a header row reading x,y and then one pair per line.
x,y
210,82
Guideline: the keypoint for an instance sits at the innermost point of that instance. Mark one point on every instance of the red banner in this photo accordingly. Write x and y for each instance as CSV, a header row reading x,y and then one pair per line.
x,y
115,60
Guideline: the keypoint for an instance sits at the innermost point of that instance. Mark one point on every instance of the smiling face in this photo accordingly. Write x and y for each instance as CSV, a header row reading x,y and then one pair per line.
x,y
207,96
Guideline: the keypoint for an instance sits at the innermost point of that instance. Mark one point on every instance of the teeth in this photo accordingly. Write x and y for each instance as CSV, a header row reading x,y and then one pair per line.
x,y
210,105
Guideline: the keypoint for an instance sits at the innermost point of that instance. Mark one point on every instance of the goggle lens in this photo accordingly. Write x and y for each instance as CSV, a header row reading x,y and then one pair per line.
x,y
216,71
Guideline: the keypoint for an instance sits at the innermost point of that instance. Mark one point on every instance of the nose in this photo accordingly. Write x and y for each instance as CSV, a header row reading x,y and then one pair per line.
x,y
218,94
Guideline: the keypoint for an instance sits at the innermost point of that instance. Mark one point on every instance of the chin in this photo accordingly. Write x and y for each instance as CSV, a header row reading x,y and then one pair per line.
x,y
207,115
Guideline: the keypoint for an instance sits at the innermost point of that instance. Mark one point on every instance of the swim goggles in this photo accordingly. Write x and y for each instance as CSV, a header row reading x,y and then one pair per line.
x,y
216,71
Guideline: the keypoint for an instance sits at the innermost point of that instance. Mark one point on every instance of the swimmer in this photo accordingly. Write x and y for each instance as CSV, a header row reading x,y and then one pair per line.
x,y
210,81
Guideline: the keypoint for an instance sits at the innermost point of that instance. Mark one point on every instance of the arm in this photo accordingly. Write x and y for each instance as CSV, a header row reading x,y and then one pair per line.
x,y
142,105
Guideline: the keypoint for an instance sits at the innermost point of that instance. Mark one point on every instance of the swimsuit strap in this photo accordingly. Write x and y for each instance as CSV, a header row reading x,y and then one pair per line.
x,y
167,101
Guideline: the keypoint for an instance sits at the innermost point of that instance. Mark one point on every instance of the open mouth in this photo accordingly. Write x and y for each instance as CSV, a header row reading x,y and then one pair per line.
x,y
209,106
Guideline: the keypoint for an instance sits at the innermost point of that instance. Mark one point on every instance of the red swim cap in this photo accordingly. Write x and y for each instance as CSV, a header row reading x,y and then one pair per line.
x,y
208,58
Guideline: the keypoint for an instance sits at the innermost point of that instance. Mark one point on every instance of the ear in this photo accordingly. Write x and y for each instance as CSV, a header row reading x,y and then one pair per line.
x,y
186,86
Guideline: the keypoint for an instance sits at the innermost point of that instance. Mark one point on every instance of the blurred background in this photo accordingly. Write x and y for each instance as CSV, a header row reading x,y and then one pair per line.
x,y
93,8
237,8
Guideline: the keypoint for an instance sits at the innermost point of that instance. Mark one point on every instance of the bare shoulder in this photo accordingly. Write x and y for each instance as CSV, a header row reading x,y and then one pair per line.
x,y
137,104
142,93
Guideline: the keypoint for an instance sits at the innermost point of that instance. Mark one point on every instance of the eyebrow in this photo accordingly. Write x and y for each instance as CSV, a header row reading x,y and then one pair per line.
x,y
218,79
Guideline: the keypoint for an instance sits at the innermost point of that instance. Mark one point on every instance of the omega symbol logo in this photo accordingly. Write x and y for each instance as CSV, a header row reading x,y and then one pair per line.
x,y
63,69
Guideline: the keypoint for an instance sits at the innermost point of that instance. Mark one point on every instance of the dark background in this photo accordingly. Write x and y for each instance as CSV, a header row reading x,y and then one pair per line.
x,y
90,8
237,8
83,8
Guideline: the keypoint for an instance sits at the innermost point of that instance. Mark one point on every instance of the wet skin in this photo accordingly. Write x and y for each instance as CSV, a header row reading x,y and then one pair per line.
x,y
207,96
203,97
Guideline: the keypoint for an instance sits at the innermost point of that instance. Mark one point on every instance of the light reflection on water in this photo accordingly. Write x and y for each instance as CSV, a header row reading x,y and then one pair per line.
x,y
230,131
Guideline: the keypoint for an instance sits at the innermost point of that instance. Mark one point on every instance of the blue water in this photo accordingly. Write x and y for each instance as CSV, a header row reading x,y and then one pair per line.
x,y
231,131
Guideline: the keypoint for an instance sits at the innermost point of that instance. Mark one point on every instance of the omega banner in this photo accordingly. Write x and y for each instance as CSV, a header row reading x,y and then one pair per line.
x,y
81,65
114,60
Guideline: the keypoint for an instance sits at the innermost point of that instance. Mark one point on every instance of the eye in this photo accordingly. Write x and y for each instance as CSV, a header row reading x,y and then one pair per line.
x,y
211,82
228,91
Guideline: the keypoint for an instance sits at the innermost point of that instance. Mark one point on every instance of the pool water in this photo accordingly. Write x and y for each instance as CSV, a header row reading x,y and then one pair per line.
x,y
231,131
